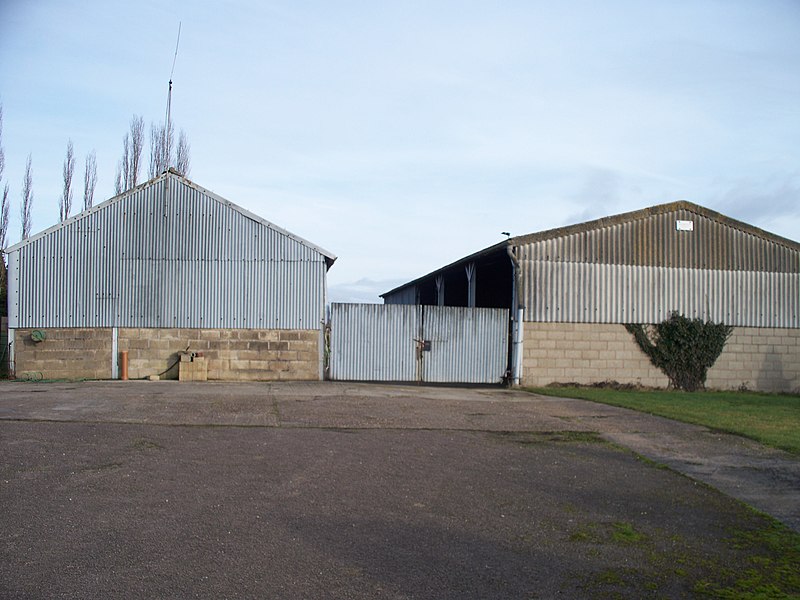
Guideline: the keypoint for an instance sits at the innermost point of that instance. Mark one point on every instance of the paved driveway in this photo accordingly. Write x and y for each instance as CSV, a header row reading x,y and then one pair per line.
x,y
332,490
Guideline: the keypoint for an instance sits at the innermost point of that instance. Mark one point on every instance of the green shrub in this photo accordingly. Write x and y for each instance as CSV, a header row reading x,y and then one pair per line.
x,y
682,348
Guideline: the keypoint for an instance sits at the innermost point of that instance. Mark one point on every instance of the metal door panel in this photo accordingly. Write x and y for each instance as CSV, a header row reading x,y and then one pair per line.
x,y
467,345
374,342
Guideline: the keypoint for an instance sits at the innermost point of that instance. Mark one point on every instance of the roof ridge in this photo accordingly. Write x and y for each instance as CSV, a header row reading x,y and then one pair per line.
x,y
650,211
173,175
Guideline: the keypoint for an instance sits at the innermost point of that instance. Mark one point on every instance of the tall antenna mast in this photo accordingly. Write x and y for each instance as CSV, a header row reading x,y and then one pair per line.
x,y
167,136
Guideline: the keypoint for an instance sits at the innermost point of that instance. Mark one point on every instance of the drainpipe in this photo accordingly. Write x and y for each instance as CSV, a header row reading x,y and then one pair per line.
x,y
516,318
115,357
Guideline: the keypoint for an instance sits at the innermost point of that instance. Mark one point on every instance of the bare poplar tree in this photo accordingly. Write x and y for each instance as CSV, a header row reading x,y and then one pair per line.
x,y
132,145
2,153
182,157
160,144
27,200
155,151
4,204
126,163
89,179
164,153
65,206
4,207
137,144
118,180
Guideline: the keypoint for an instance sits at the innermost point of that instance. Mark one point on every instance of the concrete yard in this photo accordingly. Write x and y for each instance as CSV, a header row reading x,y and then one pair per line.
x,y
336,490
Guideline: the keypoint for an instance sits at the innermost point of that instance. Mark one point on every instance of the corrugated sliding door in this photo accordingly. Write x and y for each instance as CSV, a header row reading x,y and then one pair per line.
x,y
401,342
464,345
374,342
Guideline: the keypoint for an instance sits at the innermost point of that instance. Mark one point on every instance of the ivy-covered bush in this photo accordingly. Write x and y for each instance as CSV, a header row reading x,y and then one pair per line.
x,y
682,348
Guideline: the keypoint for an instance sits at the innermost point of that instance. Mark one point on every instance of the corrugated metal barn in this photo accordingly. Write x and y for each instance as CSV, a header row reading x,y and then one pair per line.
x,y
570,290
162,268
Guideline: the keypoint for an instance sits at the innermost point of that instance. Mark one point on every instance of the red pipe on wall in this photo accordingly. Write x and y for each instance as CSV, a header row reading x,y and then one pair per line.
x,y
123,361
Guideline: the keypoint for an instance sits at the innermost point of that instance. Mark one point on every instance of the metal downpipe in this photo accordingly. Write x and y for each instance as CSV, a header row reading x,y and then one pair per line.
x,y
517,308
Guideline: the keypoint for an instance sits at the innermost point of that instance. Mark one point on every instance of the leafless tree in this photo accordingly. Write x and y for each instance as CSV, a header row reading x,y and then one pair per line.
x,y
164,153
137,144
126,163
128,168
2,153
4,208
156,150
89,179
118,180
4,204
160,144
182,157
27,200
65,206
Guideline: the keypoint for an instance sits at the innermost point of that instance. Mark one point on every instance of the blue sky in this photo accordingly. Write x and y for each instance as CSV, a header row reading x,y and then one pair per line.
x,y
402,136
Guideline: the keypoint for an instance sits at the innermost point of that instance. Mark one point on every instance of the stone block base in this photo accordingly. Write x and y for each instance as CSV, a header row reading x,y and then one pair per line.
x,y
229,354
195,369
756,359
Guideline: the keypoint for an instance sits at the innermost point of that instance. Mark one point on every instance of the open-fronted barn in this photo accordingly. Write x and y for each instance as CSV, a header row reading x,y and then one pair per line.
x,y
571,290
166,268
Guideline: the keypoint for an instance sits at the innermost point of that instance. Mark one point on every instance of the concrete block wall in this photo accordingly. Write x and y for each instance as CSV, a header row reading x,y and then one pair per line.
x,y
757,359
231,354
64,354
584,353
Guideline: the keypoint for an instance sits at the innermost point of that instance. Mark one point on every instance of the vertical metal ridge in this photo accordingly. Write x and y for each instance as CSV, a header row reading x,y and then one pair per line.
x,y
597,293
469,345
374,342
379,342
186,260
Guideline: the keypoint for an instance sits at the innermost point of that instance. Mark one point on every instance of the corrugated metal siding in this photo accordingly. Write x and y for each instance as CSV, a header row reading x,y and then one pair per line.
x,y
378,342
168,255
654,241
407,295
468,345
641,269
599,293
374,342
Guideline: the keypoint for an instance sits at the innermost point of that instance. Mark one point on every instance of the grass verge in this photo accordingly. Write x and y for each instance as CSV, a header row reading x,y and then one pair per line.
x,y
771,419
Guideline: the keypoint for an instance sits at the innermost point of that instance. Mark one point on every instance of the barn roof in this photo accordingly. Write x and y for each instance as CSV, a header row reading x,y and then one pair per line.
x,y
173,175
645,213
790,246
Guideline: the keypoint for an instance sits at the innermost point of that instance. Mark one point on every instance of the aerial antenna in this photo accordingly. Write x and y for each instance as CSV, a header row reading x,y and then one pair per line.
x,y
167,137
175,58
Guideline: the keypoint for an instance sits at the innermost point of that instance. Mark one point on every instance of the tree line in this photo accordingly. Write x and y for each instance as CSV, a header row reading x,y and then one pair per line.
x,y
165,153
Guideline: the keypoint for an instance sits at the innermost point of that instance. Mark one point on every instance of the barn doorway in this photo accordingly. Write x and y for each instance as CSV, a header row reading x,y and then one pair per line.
x,y
416,343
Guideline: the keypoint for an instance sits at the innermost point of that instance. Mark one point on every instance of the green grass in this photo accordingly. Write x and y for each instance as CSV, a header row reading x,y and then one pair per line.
x,y
624,533
760,560
774,571
771,419
621,533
